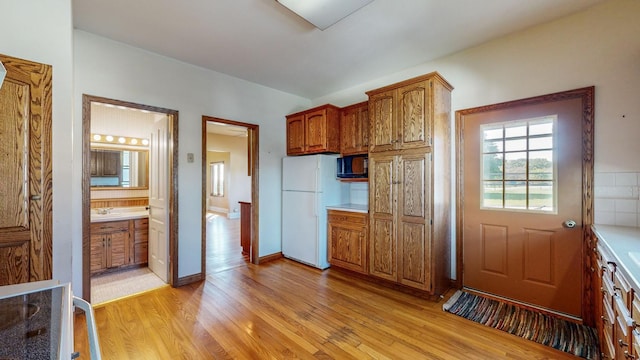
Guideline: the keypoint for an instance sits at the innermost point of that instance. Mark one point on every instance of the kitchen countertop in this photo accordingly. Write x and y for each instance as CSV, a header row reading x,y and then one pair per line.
x,y
623,243
350,207
115,214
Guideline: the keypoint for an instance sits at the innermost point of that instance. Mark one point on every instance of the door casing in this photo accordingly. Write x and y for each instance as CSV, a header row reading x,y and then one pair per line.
x,y
253,131
587,96
86,186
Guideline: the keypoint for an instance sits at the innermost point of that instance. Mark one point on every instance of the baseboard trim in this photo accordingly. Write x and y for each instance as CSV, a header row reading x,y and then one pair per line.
x,y
186,280
271,257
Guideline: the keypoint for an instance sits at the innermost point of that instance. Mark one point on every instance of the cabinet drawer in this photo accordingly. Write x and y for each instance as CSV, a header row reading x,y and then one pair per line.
x,y
608,347
110,226
607,290
348,216
607,263
635,309
622,287
608,319
141,223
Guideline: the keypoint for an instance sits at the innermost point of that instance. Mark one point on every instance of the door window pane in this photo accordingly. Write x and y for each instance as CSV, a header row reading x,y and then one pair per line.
x,y
518,165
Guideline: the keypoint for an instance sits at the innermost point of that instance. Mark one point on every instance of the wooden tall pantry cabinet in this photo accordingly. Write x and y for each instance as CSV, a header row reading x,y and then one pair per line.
x,y
410,183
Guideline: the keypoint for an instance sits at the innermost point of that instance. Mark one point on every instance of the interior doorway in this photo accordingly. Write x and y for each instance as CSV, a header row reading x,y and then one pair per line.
x,y
129,177
229,193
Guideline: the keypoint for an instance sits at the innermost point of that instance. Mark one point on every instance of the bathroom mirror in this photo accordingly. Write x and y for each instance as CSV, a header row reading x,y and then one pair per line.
x,y
119,168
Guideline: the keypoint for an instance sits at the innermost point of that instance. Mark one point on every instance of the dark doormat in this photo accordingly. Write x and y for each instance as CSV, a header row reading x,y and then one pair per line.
x,y
557,333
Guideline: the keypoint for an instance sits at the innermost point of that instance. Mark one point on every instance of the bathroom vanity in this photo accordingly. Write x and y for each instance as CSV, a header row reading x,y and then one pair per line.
x,y
119,238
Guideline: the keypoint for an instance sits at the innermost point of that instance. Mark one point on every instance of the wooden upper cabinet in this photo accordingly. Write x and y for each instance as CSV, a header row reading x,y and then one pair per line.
x,y
354,129
314,131
402,114
295,135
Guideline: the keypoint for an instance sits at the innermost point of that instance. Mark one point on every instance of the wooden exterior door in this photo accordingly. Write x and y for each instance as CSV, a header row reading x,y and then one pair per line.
x,y
522,201
25,165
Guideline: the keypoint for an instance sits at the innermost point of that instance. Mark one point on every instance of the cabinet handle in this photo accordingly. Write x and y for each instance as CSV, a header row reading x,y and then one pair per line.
x,y
604,319
622,343
104,244
593,269
628,356
604,356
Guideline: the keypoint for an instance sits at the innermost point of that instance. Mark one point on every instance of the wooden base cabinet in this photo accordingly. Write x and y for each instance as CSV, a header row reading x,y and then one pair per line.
x,y
118,244
619,309
109,245
348,234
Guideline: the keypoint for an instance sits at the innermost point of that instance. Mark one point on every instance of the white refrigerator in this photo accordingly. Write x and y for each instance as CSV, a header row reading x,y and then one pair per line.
x,y
309,185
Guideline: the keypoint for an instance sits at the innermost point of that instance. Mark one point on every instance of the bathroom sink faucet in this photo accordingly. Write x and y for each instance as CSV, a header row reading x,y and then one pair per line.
x,y
104,211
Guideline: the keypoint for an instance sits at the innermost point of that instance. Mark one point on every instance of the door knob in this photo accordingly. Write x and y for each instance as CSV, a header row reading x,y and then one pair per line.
x,y
570,224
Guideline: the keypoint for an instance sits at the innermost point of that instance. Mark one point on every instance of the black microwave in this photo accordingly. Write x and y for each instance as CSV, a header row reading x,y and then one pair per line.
x,y
353,167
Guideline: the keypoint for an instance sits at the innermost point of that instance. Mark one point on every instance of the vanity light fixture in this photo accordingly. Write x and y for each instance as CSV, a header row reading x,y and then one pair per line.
x,y
117,140
323,13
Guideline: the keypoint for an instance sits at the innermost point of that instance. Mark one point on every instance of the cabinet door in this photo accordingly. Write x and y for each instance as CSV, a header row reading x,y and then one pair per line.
x,y
414,123
383,130
110,163
98,252
414,220
354,130
117,254
141,253
14,267
347,233
316,130
382,208
295,135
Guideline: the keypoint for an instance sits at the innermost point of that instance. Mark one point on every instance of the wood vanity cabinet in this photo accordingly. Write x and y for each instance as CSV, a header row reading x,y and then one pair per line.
x,y
119,244
140,245
314,131
348,234
409,183
354,129
109,245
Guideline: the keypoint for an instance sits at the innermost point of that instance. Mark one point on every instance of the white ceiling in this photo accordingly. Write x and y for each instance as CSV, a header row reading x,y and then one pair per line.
x,y
263,42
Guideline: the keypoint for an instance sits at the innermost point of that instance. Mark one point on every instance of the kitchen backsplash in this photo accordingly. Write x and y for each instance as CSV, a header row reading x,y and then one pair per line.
x,y
359,193
616,198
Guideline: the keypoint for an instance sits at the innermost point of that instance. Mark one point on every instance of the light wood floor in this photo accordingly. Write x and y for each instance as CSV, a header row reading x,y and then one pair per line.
x,y
284,310
223,244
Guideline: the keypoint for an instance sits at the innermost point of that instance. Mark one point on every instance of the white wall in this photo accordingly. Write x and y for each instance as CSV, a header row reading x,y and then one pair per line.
x,y
600,46
239,188
113,70
41,31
